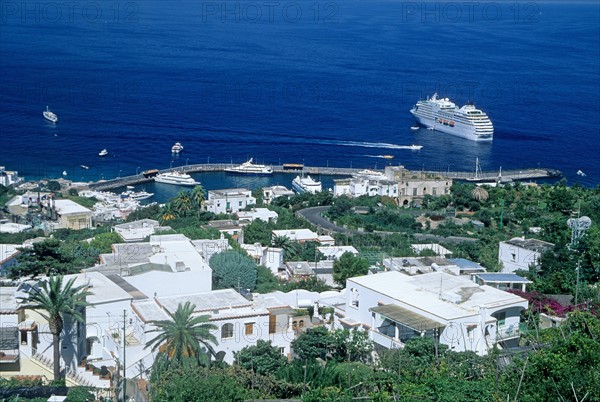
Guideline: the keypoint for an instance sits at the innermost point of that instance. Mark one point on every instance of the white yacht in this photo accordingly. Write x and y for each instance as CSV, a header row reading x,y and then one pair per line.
x,y
48,115
104,152
177,148
306,185
178,178
443,115
136,195
249,168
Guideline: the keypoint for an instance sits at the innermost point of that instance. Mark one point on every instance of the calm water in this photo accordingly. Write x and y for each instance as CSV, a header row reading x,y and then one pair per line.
x,y
306,82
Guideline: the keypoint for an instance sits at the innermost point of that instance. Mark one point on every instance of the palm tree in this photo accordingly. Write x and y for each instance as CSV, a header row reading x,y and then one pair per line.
x,y
183,336
55,301
286,244
167,213
183,203
198,198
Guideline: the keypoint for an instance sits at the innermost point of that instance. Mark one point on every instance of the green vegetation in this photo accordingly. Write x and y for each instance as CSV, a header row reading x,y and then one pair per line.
x,y
182,340
563,364
348,266
232,269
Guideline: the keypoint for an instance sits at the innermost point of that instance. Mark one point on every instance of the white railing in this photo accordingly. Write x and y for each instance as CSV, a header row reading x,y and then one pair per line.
x,y
508,331
385,340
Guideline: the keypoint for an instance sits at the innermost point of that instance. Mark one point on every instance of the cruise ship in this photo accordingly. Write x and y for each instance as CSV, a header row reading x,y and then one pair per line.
x,y
178,178
249,168
48,115
306,185
443,115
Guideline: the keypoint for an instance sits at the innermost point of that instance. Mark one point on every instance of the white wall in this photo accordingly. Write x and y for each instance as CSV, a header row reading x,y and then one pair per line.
x,y
514,257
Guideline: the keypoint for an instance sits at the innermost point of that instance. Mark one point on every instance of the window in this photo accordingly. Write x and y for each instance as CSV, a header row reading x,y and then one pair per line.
x,y
301,324
272,324
501,317
354,297
227,331
434,191
249,328
514,257
240,203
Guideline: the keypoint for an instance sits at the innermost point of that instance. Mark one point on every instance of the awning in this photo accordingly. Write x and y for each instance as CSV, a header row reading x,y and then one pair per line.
x,y
406,317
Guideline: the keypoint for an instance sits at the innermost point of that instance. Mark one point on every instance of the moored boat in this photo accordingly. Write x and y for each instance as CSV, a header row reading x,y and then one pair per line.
x,y
306,185
249,168
177,178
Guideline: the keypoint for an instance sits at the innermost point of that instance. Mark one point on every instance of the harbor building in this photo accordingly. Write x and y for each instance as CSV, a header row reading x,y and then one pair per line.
x,y
366,182
68,215
413,186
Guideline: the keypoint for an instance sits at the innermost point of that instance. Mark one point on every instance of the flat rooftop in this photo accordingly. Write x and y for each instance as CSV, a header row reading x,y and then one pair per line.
x,y
440,294
206,301
493,277
531,244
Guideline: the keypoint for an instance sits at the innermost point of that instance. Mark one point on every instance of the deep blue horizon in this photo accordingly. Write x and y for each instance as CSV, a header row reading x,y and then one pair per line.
x,y
305,82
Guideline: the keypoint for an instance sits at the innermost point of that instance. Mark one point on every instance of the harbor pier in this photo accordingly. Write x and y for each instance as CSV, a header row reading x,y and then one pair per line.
x,y
506,175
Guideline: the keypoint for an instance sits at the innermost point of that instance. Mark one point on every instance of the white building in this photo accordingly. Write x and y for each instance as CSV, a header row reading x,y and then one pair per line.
x,y
264,214
270,193
303,236
229,201
436,248
240,322
70,215
137,231
9,177
166,265
394,308
335,252
366,182
270,257
520,253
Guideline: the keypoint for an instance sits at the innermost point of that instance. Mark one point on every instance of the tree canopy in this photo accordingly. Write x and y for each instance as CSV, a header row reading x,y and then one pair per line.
x,y
233,269
348,266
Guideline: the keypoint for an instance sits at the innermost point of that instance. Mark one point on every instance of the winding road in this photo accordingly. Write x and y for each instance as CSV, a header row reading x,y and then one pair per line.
x,y
315,216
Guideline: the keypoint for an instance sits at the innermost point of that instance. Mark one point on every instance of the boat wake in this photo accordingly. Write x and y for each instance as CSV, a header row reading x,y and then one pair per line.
x,y
383,145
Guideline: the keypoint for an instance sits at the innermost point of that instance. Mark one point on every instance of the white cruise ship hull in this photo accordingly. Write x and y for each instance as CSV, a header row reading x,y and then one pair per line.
x,y
300,187
459,130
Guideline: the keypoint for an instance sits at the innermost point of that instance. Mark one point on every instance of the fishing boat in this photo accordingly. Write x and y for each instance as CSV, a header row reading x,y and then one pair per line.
x,y
104,152
48,115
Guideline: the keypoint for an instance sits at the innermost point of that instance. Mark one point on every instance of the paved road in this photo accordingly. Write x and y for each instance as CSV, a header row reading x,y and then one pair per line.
x,y
314,216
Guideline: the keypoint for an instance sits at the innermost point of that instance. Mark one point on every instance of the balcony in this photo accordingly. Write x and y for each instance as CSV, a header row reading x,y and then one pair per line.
x,y
385,340
506,332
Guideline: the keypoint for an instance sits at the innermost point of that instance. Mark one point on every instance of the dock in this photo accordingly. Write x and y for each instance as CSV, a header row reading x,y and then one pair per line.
x,y
507,175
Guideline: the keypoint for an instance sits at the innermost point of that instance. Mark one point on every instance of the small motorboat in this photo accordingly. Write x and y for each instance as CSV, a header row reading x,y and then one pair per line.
x,y
130,187
48,115
388,156
85,167
64,172
415,128
104,152
581,173
177,148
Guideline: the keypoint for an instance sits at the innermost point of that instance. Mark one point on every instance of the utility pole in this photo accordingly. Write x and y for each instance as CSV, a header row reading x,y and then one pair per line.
x,y
124,361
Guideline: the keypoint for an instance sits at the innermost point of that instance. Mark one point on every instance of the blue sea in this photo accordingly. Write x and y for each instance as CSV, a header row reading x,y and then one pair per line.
x,y
313,82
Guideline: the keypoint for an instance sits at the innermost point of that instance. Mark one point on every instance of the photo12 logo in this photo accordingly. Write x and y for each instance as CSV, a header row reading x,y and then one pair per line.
x,y
75,93
269,11
469,11
68,12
